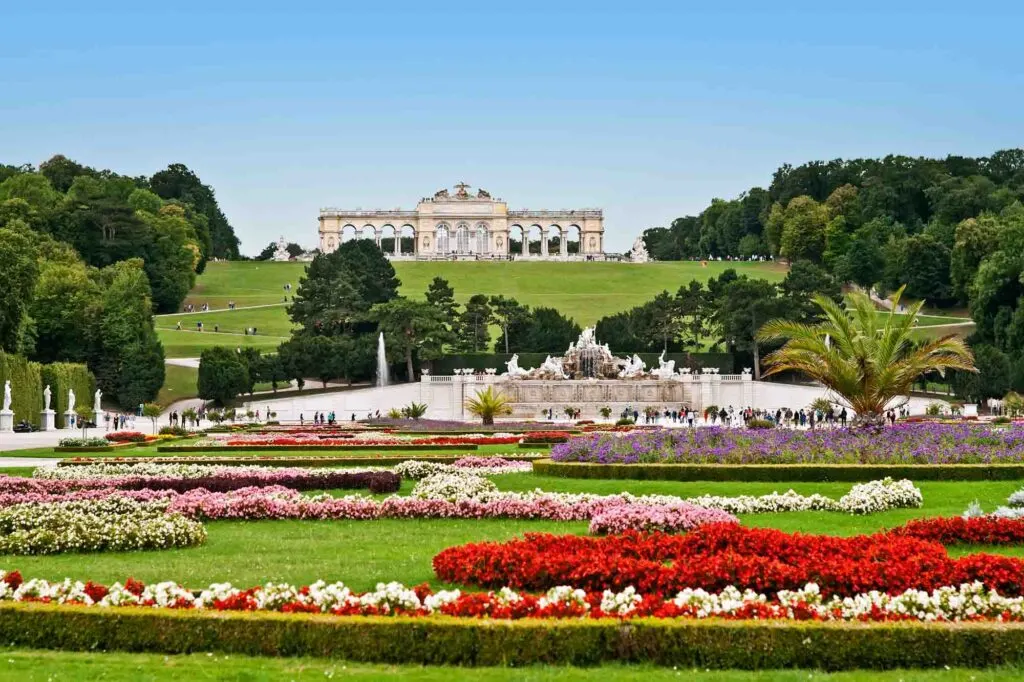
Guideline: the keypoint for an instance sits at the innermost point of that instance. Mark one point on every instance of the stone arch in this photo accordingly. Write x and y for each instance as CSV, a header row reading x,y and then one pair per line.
x,y
442,236
369,231
516,240
533,237
406,239
347,233
574,246
555,237
388,234
481,238
463,242
330,244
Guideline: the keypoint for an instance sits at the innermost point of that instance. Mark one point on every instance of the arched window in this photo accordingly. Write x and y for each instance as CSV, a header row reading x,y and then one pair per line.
x,y
462,238
483,244
441,238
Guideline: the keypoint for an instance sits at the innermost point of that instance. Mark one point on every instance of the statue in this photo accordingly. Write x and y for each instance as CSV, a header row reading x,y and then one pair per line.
x,y
634,368
96,401
71,400
7,396
666,369
483,194
441,194
639,252
514,370
46,398
460,191
553,368
281,254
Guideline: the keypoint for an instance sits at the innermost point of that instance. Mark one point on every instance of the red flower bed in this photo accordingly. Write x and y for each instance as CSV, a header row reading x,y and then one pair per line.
x,y
545,437
715,556
314,441
126,437
981,530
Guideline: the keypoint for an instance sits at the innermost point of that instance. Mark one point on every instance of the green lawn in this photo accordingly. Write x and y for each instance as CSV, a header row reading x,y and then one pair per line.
x,y
190,344
29,665
179,384
362,553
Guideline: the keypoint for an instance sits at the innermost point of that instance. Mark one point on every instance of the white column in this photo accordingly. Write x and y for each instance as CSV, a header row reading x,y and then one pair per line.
x,y
563,244
543,242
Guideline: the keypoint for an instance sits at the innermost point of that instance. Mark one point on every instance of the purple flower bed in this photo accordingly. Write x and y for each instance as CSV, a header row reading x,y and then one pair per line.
x,y
902,444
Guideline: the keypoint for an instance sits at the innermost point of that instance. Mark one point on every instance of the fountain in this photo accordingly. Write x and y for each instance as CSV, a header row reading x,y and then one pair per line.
x,y
382,362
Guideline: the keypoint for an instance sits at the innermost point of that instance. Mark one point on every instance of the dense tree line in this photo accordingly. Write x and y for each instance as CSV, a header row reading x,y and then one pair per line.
x,y
89,254
875,222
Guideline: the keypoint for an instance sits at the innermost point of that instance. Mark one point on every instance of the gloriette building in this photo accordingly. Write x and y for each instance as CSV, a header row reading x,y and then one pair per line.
x,y
464,225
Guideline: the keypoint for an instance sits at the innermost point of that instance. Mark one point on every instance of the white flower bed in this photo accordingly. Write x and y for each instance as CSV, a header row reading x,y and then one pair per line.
x,y
863,498
111,524
416,470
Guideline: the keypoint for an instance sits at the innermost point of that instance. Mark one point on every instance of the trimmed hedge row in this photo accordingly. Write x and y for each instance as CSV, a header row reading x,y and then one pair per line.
x,y
26,390
449,641
64,375
781,472
289,461
327,448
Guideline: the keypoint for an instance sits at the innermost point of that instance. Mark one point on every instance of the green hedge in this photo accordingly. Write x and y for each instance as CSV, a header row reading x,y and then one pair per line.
x,y
64,375
26,389
326,448
447,641
781,472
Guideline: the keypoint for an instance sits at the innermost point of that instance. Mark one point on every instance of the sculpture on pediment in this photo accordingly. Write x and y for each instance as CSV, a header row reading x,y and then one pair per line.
x,y
666,368
635,367
514,370
460,191
483,194
551,369
441,194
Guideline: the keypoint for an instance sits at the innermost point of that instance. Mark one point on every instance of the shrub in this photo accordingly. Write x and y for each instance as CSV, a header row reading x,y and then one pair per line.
x,y
173,431
1002,419
760,424
83,443
605,411
624,421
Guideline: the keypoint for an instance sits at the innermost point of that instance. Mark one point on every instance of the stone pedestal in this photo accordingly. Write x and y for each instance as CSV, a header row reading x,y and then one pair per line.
x,y
47,420
6,421
97,419
69,420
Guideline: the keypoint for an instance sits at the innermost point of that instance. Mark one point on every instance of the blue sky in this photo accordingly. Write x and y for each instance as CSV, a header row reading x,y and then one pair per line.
x,y
648,110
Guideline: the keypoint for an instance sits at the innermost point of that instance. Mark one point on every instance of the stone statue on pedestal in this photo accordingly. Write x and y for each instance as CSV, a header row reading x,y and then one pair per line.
x,y
7,395
46,397
71,400
639,252
666,368
96,401
514,370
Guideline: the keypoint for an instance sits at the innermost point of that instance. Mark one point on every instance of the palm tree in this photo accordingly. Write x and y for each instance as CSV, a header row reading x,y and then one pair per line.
x,y
487,405
866,357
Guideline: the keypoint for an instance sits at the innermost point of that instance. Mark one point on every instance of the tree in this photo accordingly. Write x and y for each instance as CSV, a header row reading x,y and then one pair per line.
x,y
268,251
741,308
976,238
507,312
328,300
802,282
18,276
544,330
411,328
153,412
441,295
472,335
803,230
178,182
866,357
488,404
991,380
223,375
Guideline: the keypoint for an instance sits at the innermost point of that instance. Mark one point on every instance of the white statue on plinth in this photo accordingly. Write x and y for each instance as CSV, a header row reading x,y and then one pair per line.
x,y
666,368
639,252
46,397
634,368
71,400
514,370
281,254
96,401
7,396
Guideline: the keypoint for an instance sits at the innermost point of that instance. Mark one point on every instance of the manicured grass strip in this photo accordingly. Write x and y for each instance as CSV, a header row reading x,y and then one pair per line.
x,y
447,641
328,448
287,461
781,472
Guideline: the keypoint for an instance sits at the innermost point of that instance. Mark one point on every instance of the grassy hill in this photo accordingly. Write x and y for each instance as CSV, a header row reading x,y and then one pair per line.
x,y
583,291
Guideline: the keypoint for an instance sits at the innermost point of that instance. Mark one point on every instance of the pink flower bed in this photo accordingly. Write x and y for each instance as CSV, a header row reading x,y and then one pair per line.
x,y
282,503
674,518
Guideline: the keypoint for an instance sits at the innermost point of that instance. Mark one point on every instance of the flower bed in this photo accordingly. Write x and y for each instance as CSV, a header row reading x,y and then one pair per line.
x,y
480,466
127,437
364,440
966,602
716,556
924,443
113,524
287,460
